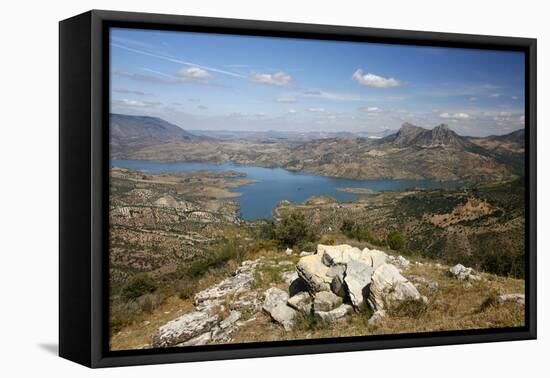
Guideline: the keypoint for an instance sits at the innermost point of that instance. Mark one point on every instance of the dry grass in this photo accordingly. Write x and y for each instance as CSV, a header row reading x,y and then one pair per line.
x,y
456,305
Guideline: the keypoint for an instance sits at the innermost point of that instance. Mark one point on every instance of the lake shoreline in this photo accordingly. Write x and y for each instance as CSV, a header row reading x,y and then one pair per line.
x,y
261,189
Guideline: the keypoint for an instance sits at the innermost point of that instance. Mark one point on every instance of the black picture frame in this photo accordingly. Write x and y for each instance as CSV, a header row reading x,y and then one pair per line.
x,y
83,182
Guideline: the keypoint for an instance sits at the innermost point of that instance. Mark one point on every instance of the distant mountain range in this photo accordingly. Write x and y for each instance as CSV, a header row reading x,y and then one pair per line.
x,y
130,132
274,136
412,152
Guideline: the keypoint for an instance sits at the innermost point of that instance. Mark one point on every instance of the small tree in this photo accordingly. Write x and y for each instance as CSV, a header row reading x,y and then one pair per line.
x,y
395,240
293,230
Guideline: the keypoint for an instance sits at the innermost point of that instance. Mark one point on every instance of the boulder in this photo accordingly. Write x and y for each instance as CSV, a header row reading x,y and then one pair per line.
x,y
403,262
332,316
275,304
337,286
288,277
184,328
518,298
389,287
230,320
357,279
460,271
338,254
301,302
374,257
433,286
203,339
326,301
376,318
305,253
288,251
312,270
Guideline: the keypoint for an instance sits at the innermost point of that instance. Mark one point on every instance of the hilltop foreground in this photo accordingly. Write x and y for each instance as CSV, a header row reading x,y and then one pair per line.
x,y
334,291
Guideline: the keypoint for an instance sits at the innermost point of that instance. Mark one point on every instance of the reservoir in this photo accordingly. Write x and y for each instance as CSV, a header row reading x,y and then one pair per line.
x,y
273,185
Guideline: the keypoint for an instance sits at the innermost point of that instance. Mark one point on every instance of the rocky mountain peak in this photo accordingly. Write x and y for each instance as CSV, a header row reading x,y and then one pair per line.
x,y
405,135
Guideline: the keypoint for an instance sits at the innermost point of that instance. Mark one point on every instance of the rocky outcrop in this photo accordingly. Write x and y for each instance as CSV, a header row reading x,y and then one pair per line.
x,y
184,328
462,273
312,270
326,301
377,317
211,321
334,315
389,287
357,278
275,304
517,298
301,302
347,276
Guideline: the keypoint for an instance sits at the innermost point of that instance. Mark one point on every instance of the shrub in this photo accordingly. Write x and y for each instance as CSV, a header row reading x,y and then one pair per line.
x,y
354,231
395,241
328,240
186,289
137,286
149,302
218,256
293,230
504,264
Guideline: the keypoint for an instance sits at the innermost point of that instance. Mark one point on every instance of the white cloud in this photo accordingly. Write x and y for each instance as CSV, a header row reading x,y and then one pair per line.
x,y
202,107
494,95
286,99
515,98
332,95
370,109
292,111
128,91
316,110
278,79
194,73
455,116
375,81
135,103
473,99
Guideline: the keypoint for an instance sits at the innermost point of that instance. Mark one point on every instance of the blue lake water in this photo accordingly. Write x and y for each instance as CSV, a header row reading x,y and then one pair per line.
x,y
275,184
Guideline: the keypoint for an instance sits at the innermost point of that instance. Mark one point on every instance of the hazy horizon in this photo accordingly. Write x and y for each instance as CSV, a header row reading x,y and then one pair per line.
x,y
215,82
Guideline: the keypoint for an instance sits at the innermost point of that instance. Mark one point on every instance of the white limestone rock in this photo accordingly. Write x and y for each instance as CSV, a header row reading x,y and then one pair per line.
x,y
338,254
518,298
312,270
433,286
374,257
326,301
334,315
389,287
460,271
357,279
184,328
301,302
275,304
377,317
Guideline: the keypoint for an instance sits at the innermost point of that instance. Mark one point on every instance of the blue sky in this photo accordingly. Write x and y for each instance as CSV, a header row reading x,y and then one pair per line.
x,y
220,82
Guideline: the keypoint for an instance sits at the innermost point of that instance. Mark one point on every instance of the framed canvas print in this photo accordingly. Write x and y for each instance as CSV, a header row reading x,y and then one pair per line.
x,y
233,188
